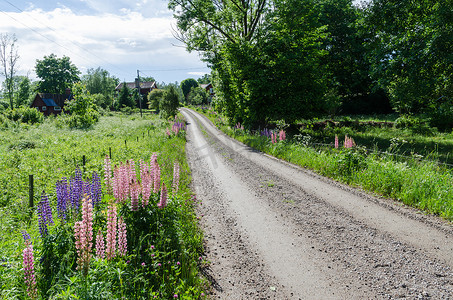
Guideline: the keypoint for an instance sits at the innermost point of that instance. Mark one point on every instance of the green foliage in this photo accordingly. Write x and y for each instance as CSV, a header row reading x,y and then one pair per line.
x,y
170,103
197,96
25,115
83,113
125,99
99,81
56,74
24,92
154,99
186,86
411,54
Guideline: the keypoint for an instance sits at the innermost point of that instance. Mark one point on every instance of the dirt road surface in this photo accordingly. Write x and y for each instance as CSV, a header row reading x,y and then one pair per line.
x,y
277,231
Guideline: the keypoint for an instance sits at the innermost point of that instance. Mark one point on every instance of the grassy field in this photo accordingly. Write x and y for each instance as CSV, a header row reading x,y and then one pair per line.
x,y
371,164
162,256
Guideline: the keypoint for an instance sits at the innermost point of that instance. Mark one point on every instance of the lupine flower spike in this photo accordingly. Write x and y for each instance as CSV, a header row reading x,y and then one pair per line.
x,y
122,237
100,245
111,231
83,233
163,197
29,271
336,142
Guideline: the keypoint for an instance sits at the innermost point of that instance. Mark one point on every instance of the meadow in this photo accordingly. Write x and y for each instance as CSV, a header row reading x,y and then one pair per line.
x,y
397,163
137,200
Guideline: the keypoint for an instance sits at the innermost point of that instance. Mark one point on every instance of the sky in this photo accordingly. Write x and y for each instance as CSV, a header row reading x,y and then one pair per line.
x,y
120,36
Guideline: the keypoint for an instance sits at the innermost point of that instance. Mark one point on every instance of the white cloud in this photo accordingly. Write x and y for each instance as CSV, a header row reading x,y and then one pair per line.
x,y
197,73
116,42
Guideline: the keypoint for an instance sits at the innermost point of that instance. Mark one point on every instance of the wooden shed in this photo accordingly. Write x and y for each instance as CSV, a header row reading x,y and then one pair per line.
x,y
50,103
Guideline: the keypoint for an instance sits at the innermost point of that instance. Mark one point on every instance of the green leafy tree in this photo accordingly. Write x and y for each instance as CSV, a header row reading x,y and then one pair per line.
x,y
99,81
56,74
198,96
154,99
412,54
170,103
82,108
205,79
186,85
266,56
125,99
23,94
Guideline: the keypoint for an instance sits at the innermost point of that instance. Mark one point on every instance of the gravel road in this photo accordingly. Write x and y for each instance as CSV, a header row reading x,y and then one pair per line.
x,y
277,231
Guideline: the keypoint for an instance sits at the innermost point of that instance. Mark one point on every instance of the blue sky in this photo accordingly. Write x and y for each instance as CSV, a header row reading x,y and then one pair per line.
x,y
119,36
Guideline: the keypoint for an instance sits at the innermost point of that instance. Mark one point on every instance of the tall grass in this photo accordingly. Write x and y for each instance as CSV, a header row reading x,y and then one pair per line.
x,y
50,153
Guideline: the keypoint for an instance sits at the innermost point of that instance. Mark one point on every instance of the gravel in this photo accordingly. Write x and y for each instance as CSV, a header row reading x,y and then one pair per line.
x,y
276,231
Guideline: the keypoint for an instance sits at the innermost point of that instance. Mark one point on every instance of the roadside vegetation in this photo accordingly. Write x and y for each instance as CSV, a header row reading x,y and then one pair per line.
x,y
113,215
395,171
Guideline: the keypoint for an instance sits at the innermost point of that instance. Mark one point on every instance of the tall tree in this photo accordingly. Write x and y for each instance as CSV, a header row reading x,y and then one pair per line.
x,y
56,74
99,81
8,59
125,99
413,51
24,91
266,55
187,85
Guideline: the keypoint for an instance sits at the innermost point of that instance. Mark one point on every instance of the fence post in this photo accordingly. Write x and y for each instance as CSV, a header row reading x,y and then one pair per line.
x,y
110,152
83,160
30,191
125,143
137,139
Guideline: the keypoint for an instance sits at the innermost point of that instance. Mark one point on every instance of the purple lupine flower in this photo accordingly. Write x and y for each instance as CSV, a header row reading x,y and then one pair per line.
x,y
76,188
62,197
26,236
86,188
44,215
96,191
266,132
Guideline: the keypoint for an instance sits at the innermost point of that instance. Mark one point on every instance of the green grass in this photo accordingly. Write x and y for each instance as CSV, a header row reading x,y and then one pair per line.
x,y
50,153
421,184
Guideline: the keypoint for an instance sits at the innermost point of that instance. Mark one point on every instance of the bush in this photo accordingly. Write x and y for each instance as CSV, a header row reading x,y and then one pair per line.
x,y
442,117
170,103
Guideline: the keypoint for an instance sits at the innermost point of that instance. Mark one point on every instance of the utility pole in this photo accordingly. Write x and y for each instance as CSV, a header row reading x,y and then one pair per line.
x,y
137,85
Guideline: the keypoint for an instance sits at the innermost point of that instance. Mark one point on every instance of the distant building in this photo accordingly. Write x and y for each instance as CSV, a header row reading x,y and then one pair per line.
x,y
209,89
145,87
51,103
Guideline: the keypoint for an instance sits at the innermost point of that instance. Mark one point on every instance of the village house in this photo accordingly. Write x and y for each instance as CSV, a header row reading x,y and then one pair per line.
x,y
209,89
51,103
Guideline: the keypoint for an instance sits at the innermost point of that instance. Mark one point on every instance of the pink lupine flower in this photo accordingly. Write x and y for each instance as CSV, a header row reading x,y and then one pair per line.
x,y
348,142
108,174
29,271
83,233
336,142
163,197
282,135
135,191
111,231
147,183
273,138
122,237
156,178
176,170
100,245
153,170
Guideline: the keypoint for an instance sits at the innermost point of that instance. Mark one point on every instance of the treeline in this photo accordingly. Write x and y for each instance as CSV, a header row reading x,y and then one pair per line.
x,y
294,59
